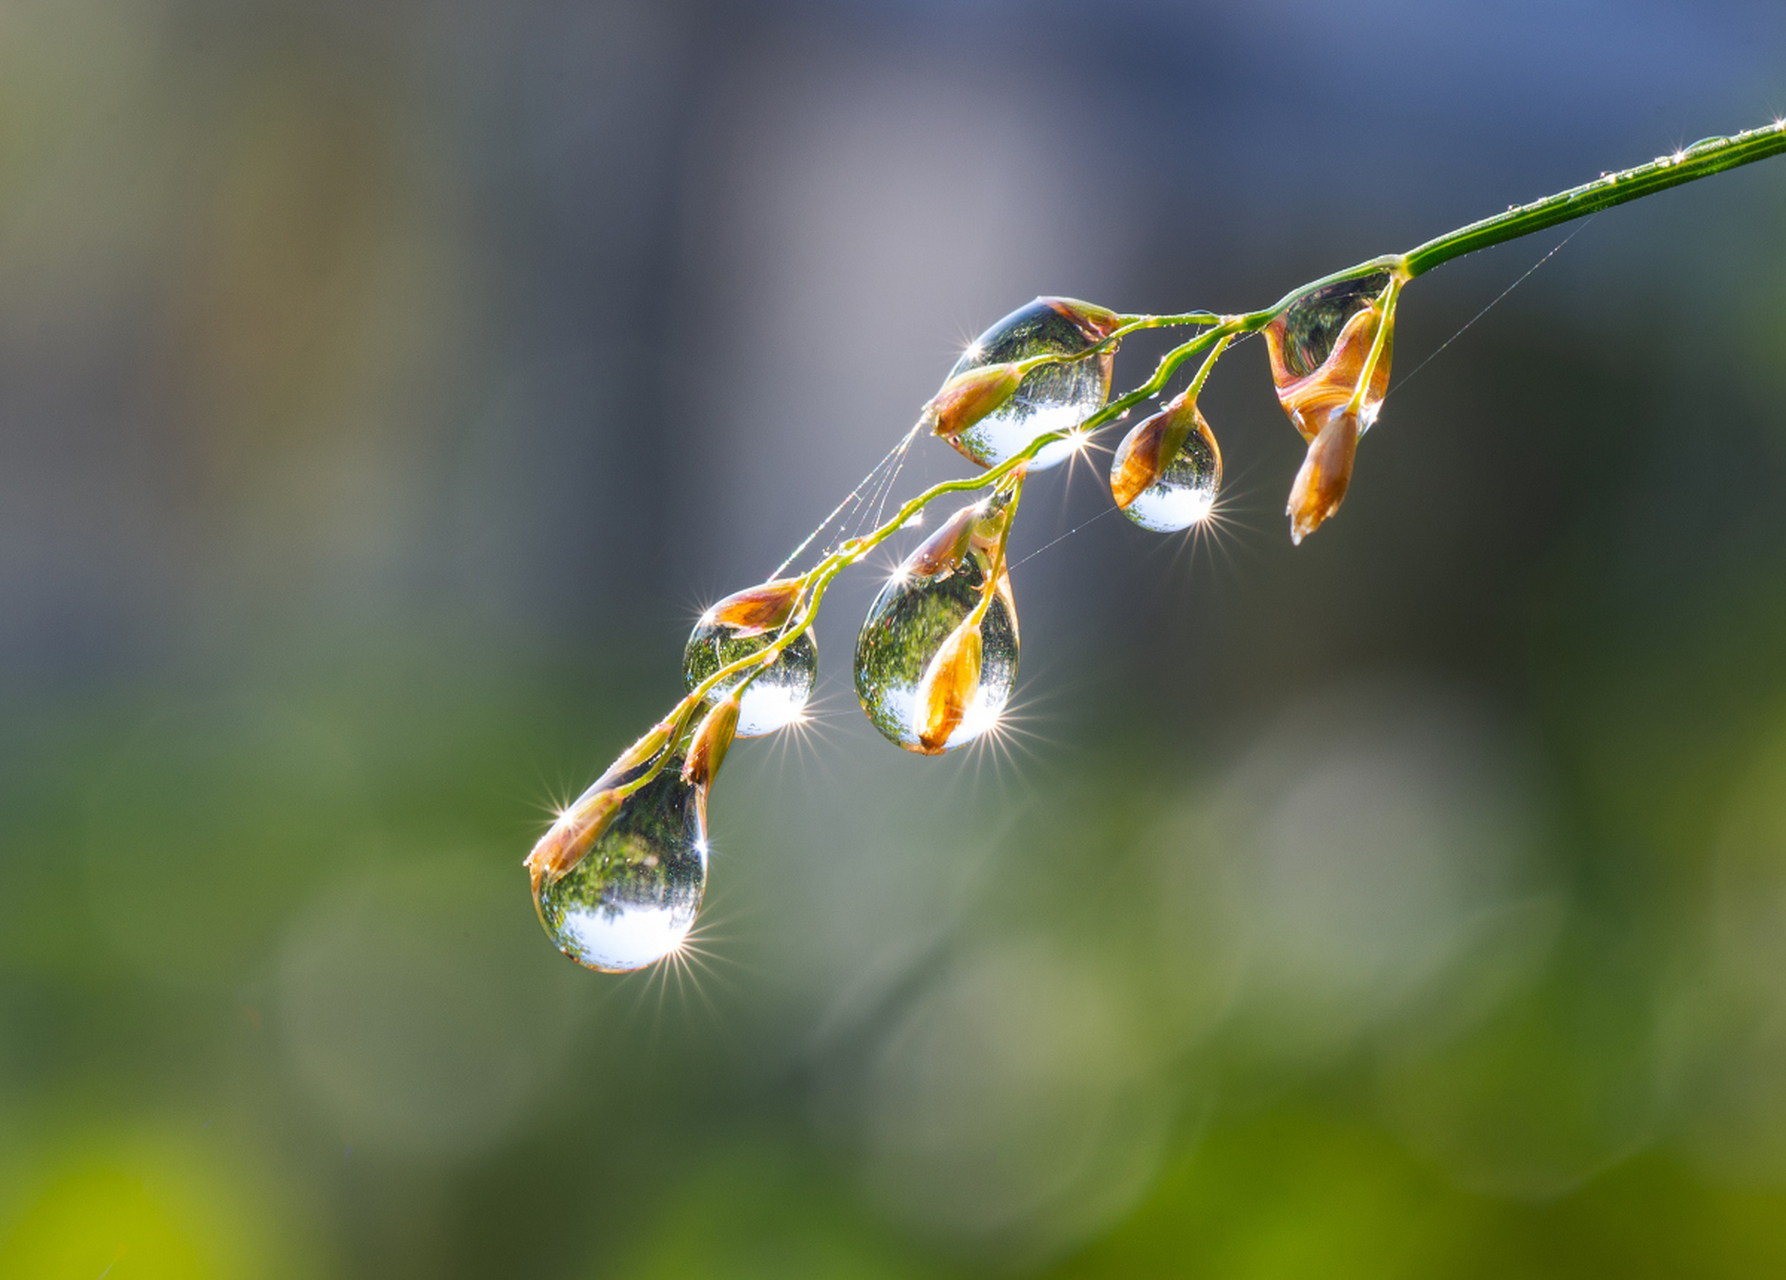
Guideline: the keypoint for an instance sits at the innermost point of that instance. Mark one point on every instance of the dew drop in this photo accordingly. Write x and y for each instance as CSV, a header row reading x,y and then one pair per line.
x,y
1309,327
744,624
632,898
1319,346
931,593
1183,492
1056,397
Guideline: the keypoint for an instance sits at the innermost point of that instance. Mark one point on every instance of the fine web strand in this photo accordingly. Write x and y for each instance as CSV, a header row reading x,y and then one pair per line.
x,y
1491,306
862,498
853,520
1062,538
851,525
850,498
875,489
849,501
871,513
877,495
905,445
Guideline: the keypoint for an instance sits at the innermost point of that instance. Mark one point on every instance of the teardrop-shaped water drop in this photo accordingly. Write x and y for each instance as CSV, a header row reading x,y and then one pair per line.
x,y
1319,346
1055,397
922,605
631,898
1179,494
743,624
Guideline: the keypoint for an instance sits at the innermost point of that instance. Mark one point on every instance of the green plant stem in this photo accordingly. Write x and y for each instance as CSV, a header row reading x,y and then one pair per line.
x,y
1701,160
997,566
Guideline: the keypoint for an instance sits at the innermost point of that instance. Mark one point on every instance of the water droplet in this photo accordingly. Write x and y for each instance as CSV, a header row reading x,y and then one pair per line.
x,y
1307,330
1319,345
631,899
1179,494
923,604
747,623
1056,397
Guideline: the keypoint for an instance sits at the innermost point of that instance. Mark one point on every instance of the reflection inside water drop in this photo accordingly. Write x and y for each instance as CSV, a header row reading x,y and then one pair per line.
x,y
1306,332
1056,397
1183,492
632,898
928,597
1167,507
775,698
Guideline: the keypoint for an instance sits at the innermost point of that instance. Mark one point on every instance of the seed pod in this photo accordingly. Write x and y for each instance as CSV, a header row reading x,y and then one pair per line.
x,y
755,610
1320,485
707,750
974,528
969,396
1095,322
744,624
584,820
948,687
570,837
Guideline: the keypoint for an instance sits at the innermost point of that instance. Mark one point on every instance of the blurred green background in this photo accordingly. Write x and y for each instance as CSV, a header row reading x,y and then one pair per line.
x,y
385,387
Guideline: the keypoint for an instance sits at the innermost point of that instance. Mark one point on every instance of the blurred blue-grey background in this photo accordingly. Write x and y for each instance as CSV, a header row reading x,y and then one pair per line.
x,y
385,387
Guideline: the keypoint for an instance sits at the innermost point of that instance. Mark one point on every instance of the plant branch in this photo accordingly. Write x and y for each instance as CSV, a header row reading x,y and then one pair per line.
x,y
1701,160
1216,332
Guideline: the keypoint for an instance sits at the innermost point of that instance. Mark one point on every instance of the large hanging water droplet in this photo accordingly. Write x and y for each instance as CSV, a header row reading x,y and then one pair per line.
x,y
1056,397
1179,494
1304,334
743,624
631,899
926,601
1319,346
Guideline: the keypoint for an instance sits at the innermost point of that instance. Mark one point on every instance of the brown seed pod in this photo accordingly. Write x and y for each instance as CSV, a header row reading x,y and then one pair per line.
x,y
707,750
1152,445
970,396
948,687
755,610
1320,485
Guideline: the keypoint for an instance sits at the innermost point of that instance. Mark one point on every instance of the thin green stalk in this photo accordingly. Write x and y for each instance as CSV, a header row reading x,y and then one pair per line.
x,y
997,565
1701,160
